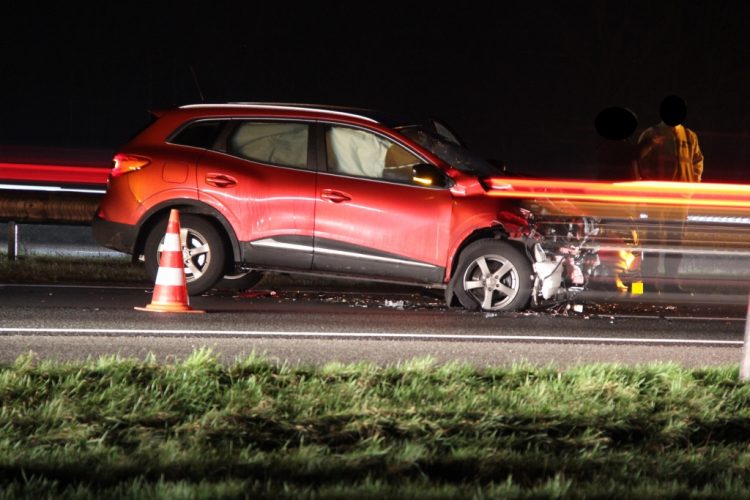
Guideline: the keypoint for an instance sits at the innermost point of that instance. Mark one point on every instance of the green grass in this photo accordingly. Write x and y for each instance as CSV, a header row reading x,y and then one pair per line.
x,y
58,269
201,428
61,269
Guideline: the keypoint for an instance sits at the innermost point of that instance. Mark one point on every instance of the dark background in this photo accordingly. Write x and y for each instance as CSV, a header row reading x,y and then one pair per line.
x,y
521,82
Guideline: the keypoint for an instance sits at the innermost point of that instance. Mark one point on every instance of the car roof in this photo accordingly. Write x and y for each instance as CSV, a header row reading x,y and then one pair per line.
x,y
392,120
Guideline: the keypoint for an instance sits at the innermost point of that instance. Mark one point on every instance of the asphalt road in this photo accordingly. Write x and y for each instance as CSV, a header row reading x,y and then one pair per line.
x,y
68,322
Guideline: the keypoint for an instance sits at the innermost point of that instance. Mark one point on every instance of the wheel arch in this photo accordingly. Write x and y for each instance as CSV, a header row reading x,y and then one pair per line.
x,y
187,206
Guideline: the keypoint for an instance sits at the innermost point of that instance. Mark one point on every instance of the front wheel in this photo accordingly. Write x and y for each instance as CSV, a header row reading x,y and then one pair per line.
x,y
203,252
492,275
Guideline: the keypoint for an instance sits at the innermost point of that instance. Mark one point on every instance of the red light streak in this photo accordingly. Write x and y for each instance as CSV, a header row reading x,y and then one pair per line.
x,y
54,173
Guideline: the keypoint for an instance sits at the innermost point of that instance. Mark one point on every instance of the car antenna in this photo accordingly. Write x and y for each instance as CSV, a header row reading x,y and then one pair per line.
x,y
197,83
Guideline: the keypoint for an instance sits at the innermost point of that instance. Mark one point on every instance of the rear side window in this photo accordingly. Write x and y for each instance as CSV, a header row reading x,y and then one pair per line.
x,y
199,134
276,143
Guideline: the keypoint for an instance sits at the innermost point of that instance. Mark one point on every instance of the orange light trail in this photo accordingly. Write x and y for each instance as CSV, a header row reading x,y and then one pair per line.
x,y
646,192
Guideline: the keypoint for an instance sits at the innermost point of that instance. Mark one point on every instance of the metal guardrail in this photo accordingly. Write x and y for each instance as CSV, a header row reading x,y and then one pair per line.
x,y
48,207
27,207
48,194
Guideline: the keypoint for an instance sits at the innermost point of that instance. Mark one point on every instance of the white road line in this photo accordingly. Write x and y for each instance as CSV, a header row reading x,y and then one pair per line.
x,y
670,318
371,335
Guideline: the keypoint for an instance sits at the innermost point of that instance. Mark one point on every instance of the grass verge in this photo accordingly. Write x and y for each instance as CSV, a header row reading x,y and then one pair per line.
x,y
65,269
199,428
60,269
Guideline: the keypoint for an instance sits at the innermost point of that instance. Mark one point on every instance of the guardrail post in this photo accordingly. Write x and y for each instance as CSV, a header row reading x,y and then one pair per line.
x,y
745,361
12,240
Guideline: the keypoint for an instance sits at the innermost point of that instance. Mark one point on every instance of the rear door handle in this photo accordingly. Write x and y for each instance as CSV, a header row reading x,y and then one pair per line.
x,y
220,180
335,196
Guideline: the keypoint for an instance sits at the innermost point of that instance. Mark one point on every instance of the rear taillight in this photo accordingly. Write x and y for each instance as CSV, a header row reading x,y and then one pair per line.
x,y
124,164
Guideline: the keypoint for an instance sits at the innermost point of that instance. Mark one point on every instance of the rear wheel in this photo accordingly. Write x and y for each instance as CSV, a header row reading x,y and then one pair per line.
x,y
240,280
203,252
492,275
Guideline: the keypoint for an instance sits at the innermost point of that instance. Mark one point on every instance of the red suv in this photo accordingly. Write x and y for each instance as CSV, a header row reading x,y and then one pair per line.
x,y
322,190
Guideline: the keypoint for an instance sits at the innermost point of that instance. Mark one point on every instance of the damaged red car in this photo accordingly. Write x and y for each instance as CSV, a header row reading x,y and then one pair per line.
x,y
333,191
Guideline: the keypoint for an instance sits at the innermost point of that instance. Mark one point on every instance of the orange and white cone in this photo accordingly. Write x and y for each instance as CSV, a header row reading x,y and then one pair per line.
x,y
170,290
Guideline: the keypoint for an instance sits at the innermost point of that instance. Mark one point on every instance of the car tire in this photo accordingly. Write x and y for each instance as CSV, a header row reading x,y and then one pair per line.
x,y
241,280
492,275
202,243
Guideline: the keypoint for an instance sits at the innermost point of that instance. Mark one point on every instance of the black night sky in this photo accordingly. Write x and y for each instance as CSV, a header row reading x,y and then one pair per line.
x,y
521,82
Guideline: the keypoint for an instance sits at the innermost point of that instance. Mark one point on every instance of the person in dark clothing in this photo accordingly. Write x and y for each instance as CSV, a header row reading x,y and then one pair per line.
x,y
674,156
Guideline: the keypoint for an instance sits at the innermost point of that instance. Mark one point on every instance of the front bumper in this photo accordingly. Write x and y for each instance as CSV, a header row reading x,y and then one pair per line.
x,y
115,235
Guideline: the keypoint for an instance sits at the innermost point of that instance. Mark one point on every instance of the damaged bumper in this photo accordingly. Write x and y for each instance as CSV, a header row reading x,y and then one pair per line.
x,y
563,261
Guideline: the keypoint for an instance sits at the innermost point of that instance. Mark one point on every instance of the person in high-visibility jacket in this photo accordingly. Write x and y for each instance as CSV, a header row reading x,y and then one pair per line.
x,y
674,155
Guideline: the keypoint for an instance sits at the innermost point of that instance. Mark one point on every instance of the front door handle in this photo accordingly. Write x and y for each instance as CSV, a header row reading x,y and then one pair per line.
x,y
220,180
335,196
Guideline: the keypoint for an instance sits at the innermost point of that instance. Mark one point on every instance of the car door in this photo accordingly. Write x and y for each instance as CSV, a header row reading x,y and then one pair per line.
x,y
371,217
262,181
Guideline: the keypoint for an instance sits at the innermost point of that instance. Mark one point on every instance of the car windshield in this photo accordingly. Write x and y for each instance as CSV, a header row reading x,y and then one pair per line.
x,y
456,156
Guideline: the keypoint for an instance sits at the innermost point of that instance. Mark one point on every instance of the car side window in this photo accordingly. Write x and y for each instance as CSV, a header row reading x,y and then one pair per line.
x,y
359,153
201,134
276,143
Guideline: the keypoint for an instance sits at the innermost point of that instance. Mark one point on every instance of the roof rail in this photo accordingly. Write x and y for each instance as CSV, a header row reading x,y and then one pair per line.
x,y
294,107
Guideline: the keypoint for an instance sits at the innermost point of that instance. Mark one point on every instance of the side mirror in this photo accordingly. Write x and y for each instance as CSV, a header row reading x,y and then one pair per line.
x,y
429,175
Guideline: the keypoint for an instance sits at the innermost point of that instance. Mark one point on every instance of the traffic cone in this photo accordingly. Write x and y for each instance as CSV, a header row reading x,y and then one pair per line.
x,y
170,290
